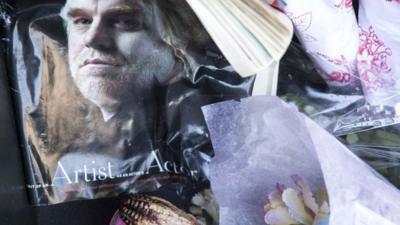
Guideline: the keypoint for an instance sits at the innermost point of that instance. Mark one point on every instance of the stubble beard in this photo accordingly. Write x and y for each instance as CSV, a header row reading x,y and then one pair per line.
x,y
130,82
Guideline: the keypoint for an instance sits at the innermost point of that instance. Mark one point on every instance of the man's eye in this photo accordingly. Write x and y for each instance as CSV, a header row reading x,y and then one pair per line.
x,y
126,23
83,21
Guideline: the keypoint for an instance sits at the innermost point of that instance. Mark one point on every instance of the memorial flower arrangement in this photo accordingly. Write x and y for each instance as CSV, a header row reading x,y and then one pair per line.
x,y
288,206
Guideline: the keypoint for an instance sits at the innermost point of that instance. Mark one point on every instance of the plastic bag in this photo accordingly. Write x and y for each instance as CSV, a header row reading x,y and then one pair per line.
x,y
109,103
340,113
355,64
301,85
328,31
379,50
270,140
379,148
383,159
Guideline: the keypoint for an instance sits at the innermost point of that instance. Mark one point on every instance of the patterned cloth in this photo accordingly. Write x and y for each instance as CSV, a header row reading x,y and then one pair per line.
x,y
379,51
328,31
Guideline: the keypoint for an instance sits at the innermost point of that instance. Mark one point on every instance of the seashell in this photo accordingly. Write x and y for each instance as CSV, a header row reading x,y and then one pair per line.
x,y
149,210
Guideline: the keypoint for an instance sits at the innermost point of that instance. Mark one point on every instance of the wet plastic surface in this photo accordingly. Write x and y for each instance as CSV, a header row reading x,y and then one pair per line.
x,y
42,92
14,206
74,150
340,111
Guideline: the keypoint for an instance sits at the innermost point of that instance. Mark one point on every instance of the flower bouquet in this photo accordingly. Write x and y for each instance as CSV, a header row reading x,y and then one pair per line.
x,y
267,143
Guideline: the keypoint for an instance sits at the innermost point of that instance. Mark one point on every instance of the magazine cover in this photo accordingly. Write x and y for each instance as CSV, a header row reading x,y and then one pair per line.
x,y
109,103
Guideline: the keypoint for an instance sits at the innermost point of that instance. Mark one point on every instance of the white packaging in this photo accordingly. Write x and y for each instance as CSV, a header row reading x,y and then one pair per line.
x,y
379,51
328,31
268,140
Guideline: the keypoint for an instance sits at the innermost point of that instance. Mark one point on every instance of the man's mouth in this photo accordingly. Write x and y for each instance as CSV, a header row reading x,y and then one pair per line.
x,y
100,62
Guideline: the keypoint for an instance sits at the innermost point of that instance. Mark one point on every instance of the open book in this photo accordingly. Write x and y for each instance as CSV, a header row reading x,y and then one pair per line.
x,y
250,33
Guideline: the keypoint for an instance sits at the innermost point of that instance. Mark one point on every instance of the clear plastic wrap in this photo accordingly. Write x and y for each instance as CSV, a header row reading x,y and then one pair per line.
x,y
109,101
337,111
380,149
373,137
385,160
355,58
379,50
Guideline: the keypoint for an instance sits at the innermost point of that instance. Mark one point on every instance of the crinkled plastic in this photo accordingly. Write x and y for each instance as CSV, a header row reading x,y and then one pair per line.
x,y
109,103
357,64
380,149
268,141
386,160
339,112
383,137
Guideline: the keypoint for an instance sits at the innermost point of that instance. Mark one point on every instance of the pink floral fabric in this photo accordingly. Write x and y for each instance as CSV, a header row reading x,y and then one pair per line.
x,y
328,31
379,51
345,4
372,61
349,53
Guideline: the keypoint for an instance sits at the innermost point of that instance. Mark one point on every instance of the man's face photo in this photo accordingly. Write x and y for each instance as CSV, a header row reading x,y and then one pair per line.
x,y
112,51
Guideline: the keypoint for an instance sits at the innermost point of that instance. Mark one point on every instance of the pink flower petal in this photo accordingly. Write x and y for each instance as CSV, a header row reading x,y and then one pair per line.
x,y
116,220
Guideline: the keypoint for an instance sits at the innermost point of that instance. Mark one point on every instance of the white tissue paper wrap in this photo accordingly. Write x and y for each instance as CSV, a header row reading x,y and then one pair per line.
x,y
328,31
379,51
260,141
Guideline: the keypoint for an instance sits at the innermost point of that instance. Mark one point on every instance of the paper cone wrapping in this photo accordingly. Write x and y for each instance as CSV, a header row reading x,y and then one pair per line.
x,y
260,141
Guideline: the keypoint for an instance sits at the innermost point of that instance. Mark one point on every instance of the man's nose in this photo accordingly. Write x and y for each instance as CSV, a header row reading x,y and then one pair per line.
x,y
98,37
